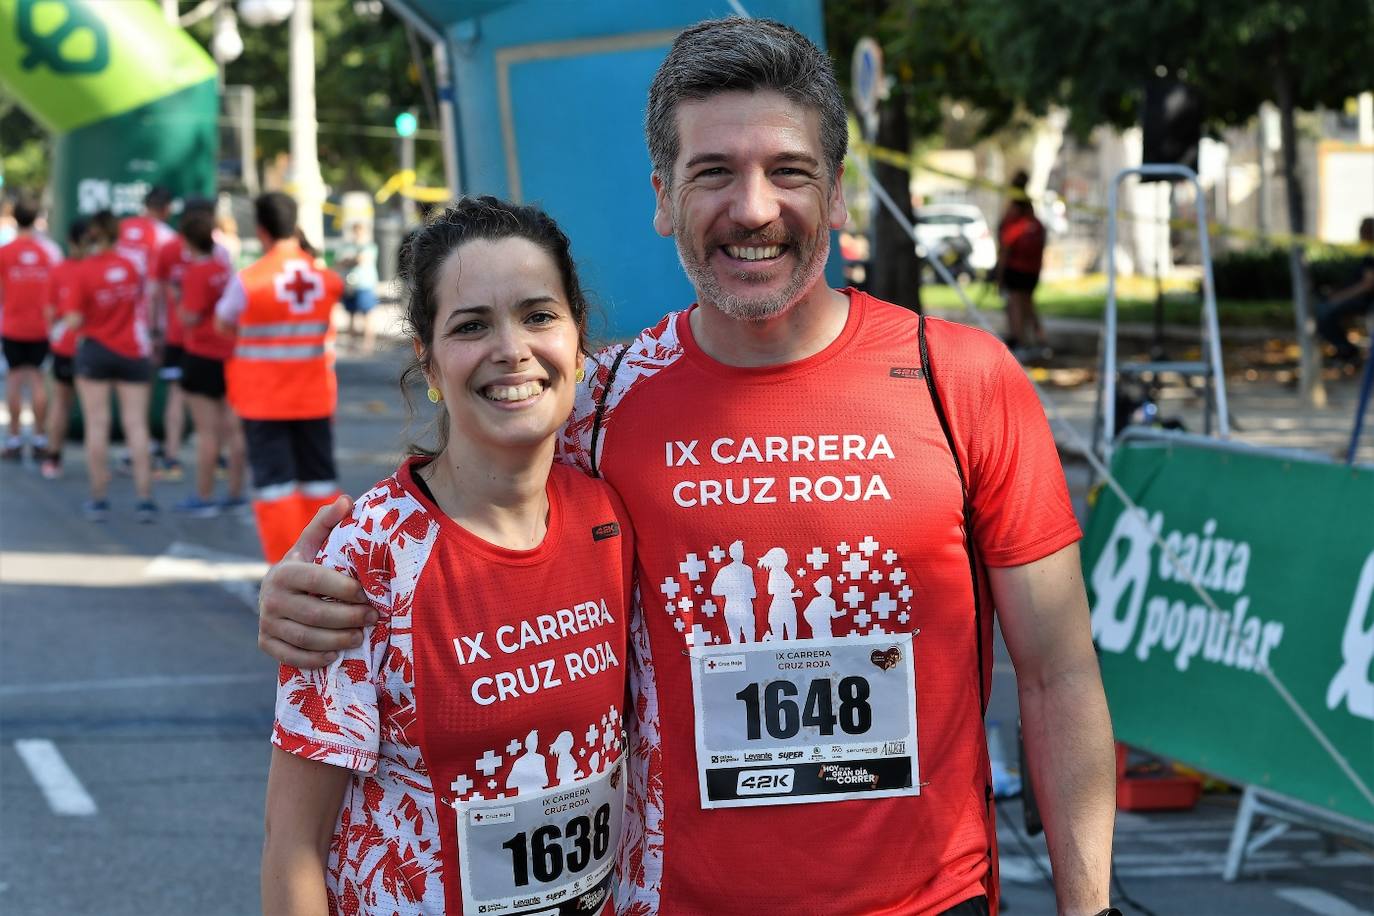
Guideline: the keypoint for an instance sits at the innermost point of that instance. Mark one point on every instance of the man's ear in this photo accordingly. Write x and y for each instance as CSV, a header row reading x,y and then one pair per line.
x,y
663,215
838,212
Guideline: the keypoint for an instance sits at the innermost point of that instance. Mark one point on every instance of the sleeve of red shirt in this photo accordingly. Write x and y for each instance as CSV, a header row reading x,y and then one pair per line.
x,y
1021,506
166,257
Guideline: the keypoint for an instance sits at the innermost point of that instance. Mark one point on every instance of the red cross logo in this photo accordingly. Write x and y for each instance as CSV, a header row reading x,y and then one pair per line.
x,y
298,286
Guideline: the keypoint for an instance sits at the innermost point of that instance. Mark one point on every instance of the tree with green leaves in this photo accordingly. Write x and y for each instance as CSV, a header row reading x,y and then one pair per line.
x,y
933,58
367,70
1094,56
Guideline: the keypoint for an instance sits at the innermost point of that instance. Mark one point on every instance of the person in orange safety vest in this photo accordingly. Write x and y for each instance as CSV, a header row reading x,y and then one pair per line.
x,y
280,378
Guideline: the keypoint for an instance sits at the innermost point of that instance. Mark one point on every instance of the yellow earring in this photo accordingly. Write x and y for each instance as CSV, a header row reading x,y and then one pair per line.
x,y
435,395
581,374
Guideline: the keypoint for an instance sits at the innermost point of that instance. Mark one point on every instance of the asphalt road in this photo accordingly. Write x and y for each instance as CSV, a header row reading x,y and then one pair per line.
x,y
135,710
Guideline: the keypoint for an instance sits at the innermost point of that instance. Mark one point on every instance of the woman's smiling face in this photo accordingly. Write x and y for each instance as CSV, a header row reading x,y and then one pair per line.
x,y
505,344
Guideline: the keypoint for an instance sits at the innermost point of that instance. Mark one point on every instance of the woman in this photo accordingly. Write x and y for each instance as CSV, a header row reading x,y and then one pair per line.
x,y
202,368
110,316
63,340
416,773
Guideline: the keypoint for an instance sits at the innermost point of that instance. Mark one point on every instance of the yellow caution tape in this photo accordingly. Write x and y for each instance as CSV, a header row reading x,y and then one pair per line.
x,y
403,183
1272,239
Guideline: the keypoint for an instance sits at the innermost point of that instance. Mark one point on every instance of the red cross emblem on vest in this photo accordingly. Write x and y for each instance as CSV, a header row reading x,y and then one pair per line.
x,y
298,286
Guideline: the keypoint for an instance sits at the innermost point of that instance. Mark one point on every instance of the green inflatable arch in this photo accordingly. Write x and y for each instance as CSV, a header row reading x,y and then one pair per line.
x,y
132,101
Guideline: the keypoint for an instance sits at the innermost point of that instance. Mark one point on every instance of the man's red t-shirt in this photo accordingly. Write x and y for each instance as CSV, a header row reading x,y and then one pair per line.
x,y
1022,242
26,266
202,283
141,238
112,304
790,503
492,675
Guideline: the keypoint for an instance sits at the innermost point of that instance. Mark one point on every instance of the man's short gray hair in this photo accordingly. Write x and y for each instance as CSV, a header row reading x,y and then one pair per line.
x,y
743,55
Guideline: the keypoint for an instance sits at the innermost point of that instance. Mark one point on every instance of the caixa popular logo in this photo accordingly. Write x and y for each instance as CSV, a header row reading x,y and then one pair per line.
x,y
1125,580
764,782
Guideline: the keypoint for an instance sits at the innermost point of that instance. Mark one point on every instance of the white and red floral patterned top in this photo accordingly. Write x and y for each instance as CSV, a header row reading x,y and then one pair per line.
x,y
490,672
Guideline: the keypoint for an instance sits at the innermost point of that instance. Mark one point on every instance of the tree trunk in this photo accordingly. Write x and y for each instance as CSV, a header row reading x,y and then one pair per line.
x,y
1310,388
893,271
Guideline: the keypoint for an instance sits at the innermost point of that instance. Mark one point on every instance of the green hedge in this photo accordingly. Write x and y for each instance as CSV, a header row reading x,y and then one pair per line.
x,y
1262,273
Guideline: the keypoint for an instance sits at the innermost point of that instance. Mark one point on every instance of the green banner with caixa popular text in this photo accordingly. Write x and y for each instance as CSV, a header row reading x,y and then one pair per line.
x,y
1285,549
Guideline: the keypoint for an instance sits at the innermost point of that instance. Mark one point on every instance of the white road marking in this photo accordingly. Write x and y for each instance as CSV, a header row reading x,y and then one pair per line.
x,y
237,575
181,562
1315,901
155,681
64,792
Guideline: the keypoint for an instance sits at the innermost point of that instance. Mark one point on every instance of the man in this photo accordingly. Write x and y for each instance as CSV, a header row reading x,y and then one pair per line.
x,y
1351,301
280,378
1020,255
786,776
26,314
142,239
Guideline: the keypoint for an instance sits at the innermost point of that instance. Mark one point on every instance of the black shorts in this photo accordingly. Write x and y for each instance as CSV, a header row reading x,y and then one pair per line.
x,y
202,375
172,355
63,369
290,452
21,354
1019,281
99,363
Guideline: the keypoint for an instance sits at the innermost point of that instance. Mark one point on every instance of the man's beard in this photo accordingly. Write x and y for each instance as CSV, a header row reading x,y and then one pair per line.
x,y
810,266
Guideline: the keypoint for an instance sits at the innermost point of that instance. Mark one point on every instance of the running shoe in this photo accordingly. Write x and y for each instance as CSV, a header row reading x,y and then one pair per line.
x,y
39,443
145,513
96,510
14,449
51,469
167,469
233,504
196,507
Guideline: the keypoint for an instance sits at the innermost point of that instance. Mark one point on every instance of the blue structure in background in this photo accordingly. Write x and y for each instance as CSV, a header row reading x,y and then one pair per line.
x,y
549,98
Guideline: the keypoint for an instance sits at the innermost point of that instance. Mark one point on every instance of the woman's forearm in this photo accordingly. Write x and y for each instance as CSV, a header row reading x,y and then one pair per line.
x,y
303,798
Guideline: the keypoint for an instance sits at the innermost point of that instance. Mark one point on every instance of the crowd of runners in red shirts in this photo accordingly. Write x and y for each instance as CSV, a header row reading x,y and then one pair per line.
x,y
130,301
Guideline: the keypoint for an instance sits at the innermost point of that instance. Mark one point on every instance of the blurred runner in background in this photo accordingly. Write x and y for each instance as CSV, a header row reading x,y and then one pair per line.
x,y
64,291
26,266
1020,255
142,239
110,315
203,280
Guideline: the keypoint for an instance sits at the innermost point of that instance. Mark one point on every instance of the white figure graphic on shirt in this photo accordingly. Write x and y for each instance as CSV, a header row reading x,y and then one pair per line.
x,y
530,771
782,612
566,767
735,583
821,610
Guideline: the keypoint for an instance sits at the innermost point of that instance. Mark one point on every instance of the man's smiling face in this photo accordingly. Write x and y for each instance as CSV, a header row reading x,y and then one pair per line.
x,y
751,202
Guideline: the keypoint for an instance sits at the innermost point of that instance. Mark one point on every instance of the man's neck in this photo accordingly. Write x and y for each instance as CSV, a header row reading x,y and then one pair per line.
x,y
804,330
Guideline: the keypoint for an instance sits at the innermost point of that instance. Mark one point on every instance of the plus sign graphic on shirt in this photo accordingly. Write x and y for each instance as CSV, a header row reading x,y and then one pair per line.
x,y
298,286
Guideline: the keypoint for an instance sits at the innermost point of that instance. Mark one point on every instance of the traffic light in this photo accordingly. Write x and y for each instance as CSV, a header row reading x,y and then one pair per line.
x,y
405,124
